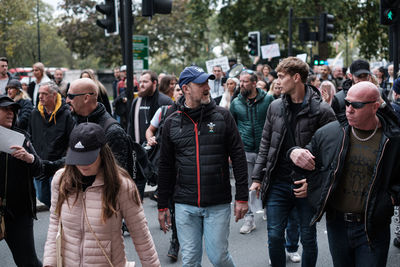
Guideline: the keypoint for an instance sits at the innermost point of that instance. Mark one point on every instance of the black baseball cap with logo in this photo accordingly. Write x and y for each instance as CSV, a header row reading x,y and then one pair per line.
x,y
85,142
359,67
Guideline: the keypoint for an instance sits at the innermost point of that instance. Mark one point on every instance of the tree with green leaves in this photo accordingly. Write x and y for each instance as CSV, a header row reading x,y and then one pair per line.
x,y
19,39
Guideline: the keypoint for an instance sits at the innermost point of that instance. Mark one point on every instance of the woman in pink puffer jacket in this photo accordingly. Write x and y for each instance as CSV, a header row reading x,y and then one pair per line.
x,y
90,197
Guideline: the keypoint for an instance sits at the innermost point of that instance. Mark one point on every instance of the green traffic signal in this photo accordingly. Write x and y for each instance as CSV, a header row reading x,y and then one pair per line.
x,y
390,15
316,62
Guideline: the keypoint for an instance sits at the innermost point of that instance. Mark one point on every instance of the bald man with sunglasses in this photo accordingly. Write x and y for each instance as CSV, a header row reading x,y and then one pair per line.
x,y
82,99
353,176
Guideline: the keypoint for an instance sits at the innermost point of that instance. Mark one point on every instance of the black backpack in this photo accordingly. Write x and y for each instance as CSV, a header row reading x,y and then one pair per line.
x,y
139,166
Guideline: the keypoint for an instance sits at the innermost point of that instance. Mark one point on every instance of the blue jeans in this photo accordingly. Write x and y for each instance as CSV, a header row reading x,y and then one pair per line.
x,y
280,203
211,222
349,246
43,190
292,232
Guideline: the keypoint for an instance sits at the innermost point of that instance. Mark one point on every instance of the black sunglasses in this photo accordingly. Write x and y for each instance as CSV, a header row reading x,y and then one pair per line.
x,y
357,105
72,96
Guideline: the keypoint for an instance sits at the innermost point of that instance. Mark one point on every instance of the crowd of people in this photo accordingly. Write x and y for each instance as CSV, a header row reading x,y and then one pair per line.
x,y
298,142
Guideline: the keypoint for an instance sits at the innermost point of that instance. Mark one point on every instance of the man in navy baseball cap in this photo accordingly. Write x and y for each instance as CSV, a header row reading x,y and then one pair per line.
x,y
194,84
194,74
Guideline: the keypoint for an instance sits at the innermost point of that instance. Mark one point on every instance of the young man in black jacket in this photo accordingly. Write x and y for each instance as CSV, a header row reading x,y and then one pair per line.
x,y
355,179
197,141
291,120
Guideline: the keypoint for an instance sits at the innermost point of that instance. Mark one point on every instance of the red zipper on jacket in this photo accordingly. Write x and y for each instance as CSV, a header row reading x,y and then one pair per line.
x,y
197,159
197,163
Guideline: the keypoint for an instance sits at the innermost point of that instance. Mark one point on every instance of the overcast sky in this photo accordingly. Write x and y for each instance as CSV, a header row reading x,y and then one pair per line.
x,y
53,3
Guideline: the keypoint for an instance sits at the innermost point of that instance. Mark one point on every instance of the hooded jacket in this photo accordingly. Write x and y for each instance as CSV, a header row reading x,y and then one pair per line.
x,y
195,147
314,114
50,137
330,145
250,118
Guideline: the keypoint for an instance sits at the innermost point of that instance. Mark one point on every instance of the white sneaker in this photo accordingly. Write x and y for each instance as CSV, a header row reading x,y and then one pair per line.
x,y
294,257
265,215
269,262
248,226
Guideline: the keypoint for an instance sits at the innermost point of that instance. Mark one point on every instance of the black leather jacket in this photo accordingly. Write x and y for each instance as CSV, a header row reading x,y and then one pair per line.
x,y
329,145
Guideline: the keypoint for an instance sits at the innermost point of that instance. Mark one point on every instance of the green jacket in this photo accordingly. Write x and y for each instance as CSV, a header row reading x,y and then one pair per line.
x,y
250,118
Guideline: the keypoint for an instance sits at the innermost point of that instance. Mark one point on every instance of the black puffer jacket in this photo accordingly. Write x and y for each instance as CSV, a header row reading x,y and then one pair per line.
x,y
24,113
50,137
314,114
21,196
329,145
195,147
115,135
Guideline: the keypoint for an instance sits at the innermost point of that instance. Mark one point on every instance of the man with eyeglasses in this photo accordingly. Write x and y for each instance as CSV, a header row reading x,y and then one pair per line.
x,y
353,172
50,124
82,99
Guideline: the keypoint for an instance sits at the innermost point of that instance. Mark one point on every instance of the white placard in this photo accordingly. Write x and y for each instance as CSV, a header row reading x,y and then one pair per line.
x,y
222,61
303,57
10,138
138,64
270,51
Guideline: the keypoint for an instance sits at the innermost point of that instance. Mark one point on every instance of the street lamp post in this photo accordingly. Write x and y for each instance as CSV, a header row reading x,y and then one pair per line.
x,y
38,29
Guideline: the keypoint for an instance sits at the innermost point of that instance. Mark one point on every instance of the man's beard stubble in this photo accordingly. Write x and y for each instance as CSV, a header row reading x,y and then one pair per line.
x,y
245,93
146,92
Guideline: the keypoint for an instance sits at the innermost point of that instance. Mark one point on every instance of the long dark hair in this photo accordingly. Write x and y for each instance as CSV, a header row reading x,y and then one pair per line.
x,y
71,183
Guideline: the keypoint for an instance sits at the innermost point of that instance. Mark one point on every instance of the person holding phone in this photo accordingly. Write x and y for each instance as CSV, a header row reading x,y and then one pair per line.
x,y
291,120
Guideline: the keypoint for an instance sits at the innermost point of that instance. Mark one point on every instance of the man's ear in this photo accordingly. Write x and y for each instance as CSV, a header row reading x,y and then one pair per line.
x,y
297,78
185,88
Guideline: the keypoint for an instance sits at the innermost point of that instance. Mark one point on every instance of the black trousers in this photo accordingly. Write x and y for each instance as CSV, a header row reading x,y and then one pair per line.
x,y
19,238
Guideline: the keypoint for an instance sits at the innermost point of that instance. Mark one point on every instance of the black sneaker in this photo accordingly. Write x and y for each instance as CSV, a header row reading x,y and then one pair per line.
x,y
173,250
396,242
124,228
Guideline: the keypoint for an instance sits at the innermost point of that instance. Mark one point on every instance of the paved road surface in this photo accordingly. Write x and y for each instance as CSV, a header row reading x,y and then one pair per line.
x,y
247,250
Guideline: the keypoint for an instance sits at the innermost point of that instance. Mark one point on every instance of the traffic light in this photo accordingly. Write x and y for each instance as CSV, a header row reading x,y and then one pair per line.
x,y
317,61
151,7
270,38
389,11
325,27
304,31
110,23
254,43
